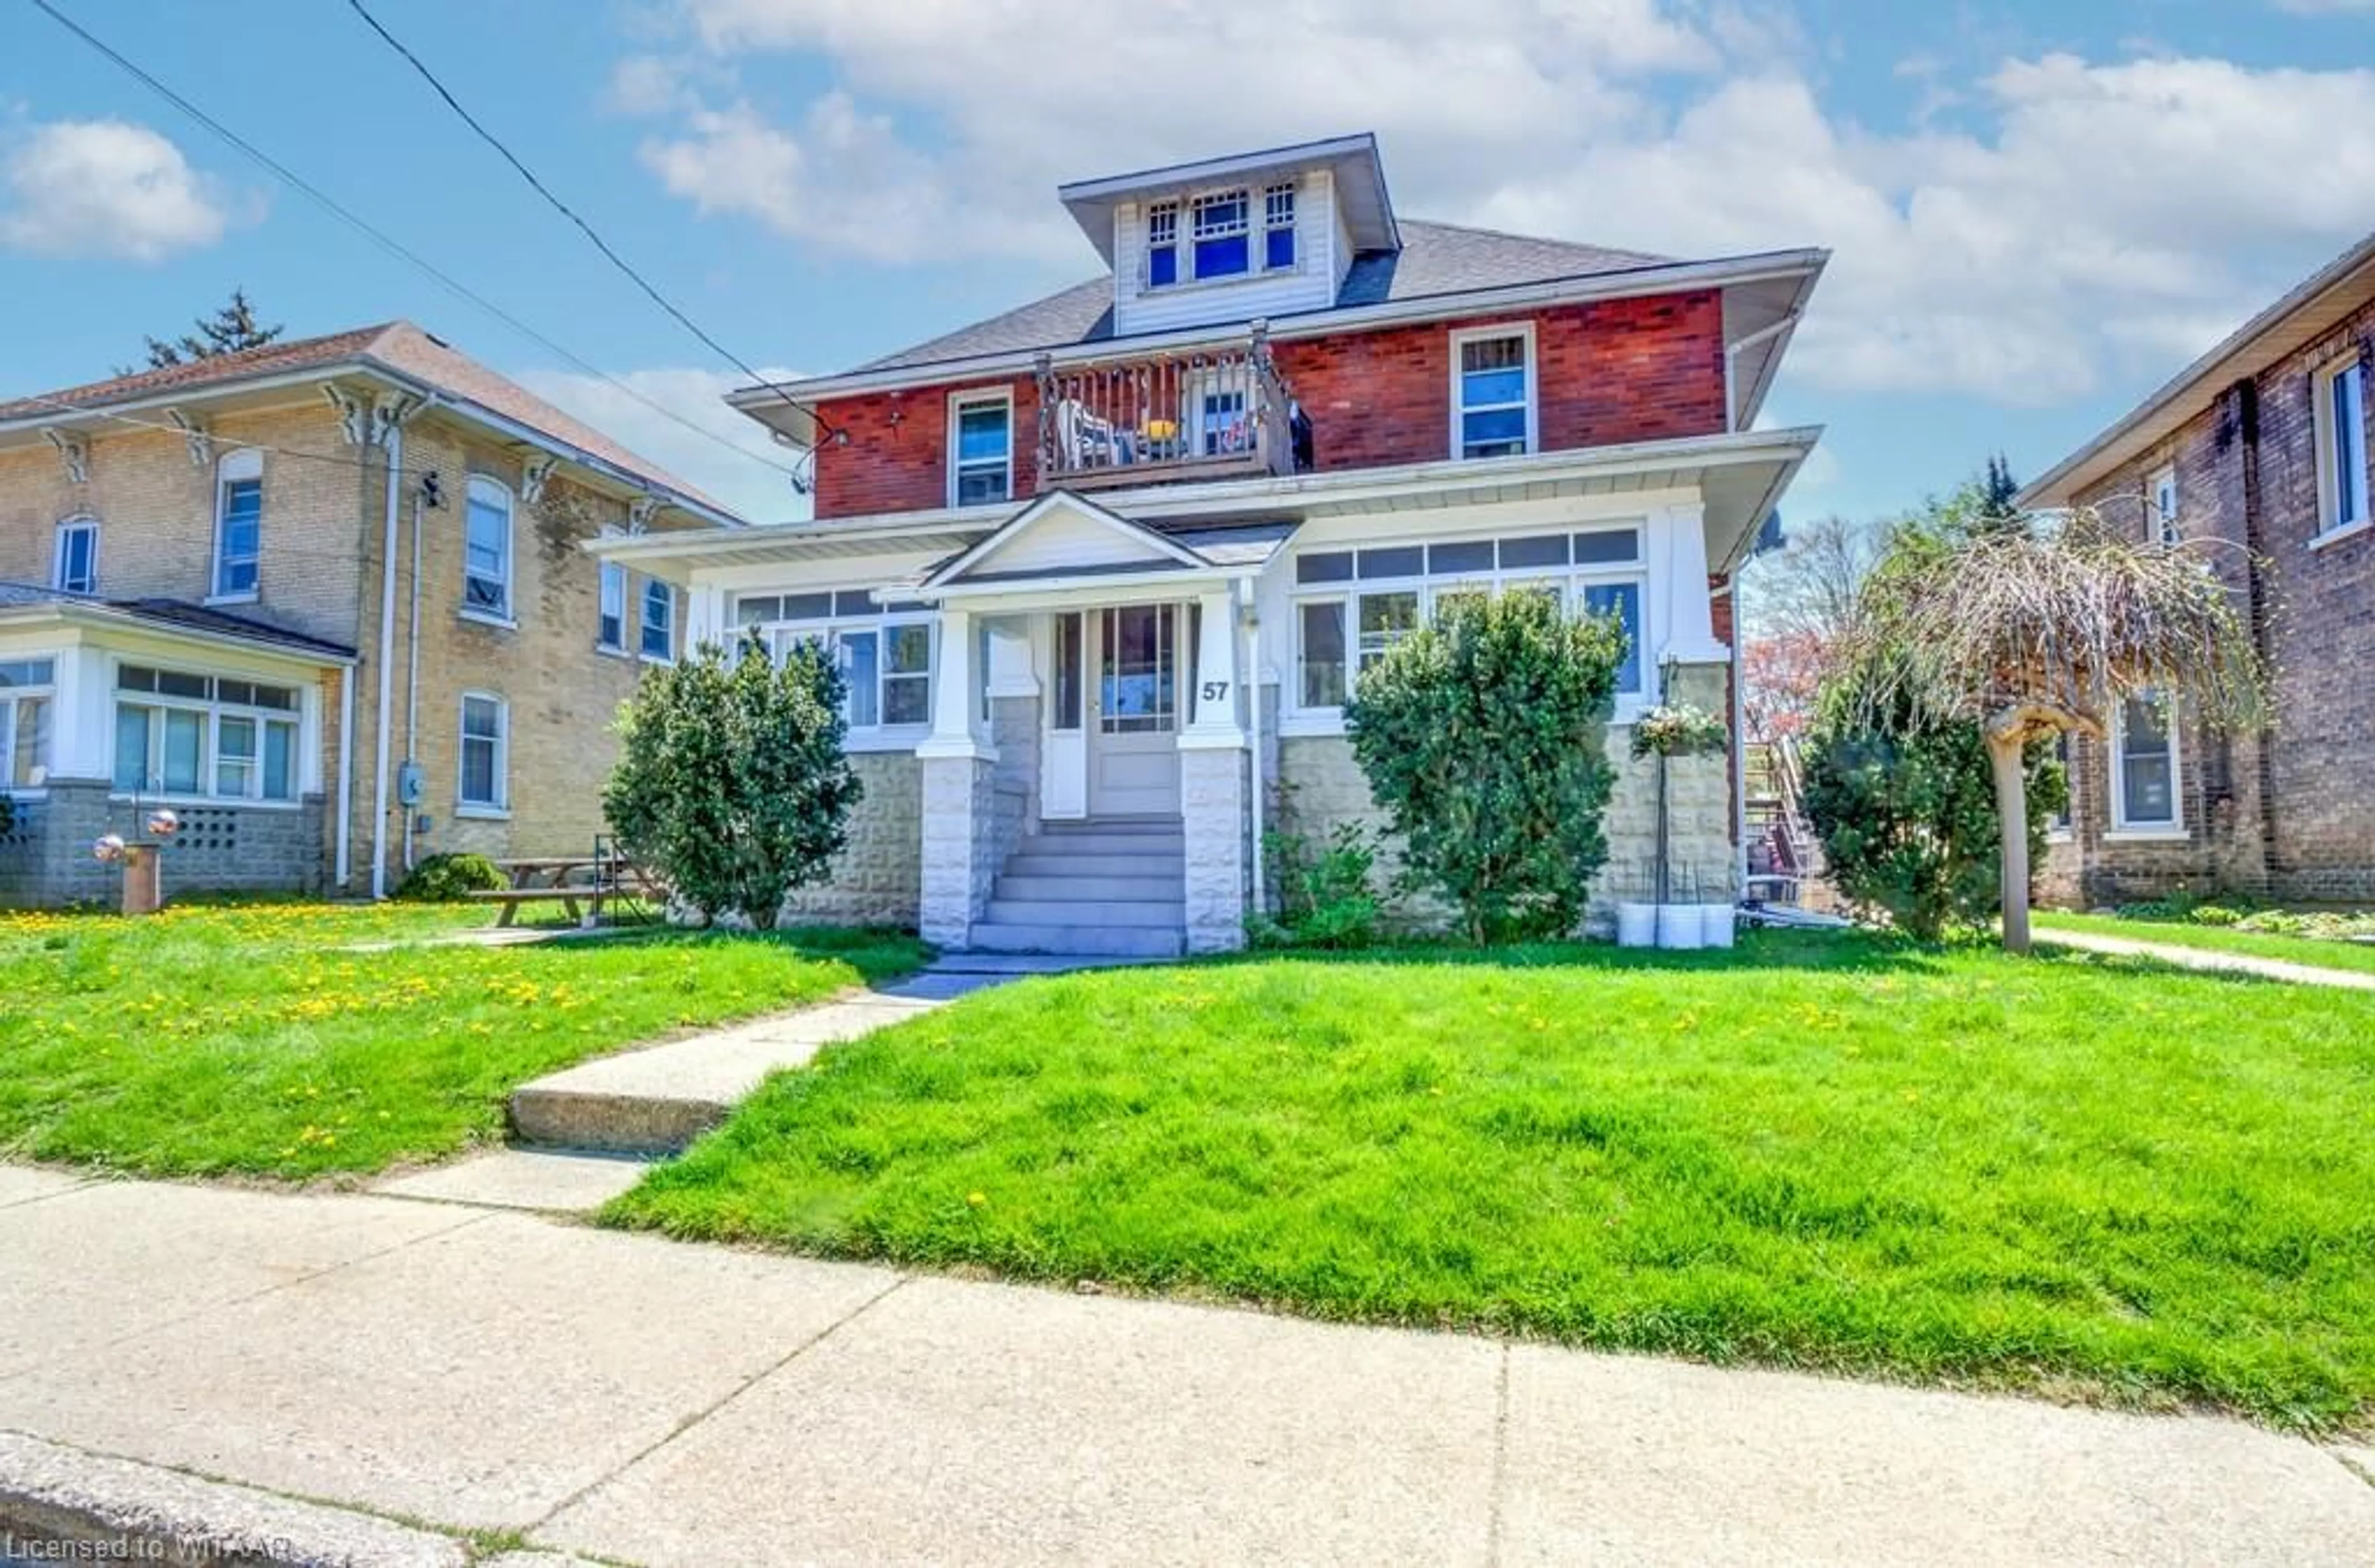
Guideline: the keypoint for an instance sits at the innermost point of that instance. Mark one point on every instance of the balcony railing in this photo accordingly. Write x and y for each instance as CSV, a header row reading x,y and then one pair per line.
x,y
1214,413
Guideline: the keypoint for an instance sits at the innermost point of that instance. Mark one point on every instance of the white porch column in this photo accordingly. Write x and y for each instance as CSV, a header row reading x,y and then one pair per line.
x,y
959,794
1215,789
1679,582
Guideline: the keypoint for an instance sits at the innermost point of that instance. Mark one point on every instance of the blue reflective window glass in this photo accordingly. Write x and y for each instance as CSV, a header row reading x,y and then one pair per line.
x,y
1624,601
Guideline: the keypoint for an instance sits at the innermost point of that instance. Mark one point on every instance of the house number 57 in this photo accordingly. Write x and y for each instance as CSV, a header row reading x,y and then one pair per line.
x,y
1214,690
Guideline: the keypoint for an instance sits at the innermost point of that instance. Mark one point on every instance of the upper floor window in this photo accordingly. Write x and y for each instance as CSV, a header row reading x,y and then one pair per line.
x,y
239,523
2144,764
487,549
216,737
2340,416
1353,605
1162,245
1223,248
26,689
659,620
1278,227
1492,392
484,783
2164,505
76,570
612,634
981,459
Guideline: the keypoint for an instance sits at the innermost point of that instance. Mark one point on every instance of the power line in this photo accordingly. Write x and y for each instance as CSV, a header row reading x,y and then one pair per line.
x,y
392,246
541,189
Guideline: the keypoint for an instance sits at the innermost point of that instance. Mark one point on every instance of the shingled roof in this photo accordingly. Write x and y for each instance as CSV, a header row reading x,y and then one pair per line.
x,y
1436,258
174,614
396,346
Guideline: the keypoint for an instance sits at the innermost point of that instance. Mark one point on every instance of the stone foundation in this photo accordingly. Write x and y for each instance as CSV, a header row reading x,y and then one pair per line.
x,y
46,860
877,879
1212,800
960,845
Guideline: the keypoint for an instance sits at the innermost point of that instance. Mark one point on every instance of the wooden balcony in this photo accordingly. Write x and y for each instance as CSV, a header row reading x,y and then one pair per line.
x,y
1211,414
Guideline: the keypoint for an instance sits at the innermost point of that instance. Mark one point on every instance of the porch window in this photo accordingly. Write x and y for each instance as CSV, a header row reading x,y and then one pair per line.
x,y
239,523
1278,227
982,459
611,634
1364,601
658,641
486,742
1221,234
2340,416
212,737
1163,244
26,689
76,568
1492,394
884,649
2144,764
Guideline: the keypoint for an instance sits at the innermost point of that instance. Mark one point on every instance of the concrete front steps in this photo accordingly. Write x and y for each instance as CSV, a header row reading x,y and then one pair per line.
x,y
1110,888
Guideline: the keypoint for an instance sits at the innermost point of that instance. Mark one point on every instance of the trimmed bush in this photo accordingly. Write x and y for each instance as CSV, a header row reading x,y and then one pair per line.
x,y
449,878
1485,737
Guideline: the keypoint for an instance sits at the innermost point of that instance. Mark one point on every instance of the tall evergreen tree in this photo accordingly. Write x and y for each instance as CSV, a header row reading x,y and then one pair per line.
x,y
230,329
1998,493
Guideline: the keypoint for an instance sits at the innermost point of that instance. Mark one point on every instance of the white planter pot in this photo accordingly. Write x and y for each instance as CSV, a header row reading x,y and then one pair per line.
x,y
1636,924
1678,925
1716,925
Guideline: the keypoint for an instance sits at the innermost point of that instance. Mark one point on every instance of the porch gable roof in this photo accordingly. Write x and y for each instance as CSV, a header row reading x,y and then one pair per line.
x,y
1062,538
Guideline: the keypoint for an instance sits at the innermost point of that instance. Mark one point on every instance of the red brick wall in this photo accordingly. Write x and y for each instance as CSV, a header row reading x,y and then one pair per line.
x,y
1611,372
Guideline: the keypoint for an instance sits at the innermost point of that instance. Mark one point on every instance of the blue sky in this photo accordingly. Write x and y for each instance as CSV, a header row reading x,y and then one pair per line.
x,y
2039,210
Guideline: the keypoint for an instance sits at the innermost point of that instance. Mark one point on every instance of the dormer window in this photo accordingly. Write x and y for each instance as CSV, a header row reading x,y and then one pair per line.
x,y
1223,245
1163,245
1278,228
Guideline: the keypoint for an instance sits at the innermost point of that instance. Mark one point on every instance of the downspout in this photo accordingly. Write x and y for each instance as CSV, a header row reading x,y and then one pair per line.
x,y
1253,711
346,778
1739,751
412,674
1731,360
394,446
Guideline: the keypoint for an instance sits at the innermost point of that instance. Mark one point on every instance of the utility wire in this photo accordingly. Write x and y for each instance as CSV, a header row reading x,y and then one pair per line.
x,y
541,189
392,246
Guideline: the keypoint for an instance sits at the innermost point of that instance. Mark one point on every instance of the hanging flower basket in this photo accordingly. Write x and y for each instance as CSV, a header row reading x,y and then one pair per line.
x,y
1678,729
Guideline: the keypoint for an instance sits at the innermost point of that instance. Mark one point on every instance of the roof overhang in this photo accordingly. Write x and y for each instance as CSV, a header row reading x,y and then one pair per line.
x,y
1741,478
276,389
1771,286
2326,299
1360,177
100,617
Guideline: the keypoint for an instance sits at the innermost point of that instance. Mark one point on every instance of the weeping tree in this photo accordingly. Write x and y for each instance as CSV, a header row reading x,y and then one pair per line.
x,y
2030,627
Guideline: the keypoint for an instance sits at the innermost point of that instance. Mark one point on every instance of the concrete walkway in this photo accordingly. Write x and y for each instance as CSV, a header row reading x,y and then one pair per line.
x,y
635,1399
2205,957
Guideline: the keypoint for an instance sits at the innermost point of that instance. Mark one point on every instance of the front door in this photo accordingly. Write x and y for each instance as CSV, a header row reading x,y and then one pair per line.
x,y
1134,722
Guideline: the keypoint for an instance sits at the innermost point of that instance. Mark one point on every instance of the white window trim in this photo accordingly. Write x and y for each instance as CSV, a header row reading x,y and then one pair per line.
x,y
2165,530
780,635
642,621
500,806
1183,237
960,401
2331,523
246,463
2121,829
213,711
504,616
1467,334
81,523
1571,581
9,696
1293,226
606,573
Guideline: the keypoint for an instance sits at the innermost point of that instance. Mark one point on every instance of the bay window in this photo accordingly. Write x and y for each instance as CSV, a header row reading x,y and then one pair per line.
x,y
28,688
208,738
1351,606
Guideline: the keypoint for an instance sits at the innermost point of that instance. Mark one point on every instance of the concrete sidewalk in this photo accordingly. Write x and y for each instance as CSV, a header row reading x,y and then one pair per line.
x,y
633,1398
2210,959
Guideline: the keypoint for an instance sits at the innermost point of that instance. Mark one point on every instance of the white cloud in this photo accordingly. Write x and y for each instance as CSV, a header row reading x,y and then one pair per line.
x,y
752,484
2325,8
104,188
2078,217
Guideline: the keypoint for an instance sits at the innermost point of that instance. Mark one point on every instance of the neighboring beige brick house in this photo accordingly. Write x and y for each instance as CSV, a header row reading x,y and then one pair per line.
x,y
2257,455
208,600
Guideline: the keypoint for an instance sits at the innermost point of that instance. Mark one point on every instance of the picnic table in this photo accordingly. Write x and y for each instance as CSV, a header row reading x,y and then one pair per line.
x,y
567,881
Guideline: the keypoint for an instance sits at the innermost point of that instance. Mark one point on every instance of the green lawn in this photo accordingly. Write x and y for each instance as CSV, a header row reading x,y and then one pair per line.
x,y
253,1039
2099,1177
2322,952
